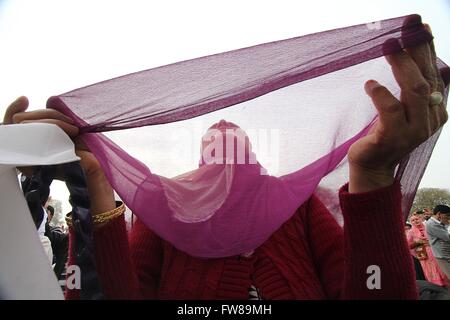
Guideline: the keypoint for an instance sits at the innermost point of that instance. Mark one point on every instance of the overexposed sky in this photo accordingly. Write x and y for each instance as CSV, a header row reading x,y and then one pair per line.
x,y
50,47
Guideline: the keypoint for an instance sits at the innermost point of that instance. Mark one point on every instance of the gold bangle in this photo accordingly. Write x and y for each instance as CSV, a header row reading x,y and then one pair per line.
x,y
102,217
109,215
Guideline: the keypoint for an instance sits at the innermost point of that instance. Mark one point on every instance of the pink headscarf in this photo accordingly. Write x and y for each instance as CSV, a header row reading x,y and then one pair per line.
x,y
302,95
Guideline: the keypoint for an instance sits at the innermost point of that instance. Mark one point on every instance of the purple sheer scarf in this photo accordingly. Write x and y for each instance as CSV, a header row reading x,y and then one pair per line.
x,y
301,103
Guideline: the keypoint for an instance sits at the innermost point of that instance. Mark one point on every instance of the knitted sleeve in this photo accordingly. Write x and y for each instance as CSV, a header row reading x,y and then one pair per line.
x,y
369,258
378,262
127,269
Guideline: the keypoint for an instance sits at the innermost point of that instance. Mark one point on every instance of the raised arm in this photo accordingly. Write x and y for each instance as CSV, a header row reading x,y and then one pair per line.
x,y
119,276
374,236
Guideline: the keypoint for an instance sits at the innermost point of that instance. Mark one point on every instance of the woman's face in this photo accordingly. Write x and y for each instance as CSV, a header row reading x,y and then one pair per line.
x,y
225,142
415,220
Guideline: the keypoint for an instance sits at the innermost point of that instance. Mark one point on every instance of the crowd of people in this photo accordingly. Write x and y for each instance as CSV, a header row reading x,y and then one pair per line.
x,y
428,238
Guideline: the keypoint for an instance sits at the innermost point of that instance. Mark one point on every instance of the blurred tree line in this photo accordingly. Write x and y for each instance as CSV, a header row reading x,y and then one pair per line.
x,y
429,198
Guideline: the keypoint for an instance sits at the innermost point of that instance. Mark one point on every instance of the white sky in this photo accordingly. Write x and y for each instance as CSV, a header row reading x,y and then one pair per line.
x,y
50,47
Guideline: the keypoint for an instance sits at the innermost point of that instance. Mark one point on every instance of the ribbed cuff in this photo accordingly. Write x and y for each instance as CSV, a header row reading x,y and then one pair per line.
x,y
381,198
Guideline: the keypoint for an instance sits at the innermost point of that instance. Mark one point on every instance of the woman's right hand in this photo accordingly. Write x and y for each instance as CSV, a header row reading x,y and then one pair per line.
x,y
100,191
16,113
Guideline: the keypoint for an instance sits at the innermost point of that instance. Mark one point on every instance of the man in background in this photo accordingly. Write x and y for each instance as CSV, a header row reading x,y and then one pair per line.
x,y
427,213
59,243
439,237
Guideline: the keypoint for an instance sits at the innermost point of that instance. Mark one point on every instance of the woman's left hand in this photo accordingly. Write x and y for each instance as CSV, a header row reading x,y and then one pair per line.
x,y
403,124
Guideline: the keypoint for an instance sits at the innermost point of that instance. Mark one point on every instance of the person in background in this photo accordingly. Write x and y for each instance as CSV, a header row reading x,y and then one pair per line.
x,y
46,242
417,266
50,213
427,213
407,227
439,237
59,243
421,250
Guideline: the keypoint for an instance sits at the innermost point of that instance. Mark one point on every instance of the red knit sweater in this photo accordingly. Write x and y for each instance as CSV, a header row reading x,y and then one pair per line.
x,y
309,257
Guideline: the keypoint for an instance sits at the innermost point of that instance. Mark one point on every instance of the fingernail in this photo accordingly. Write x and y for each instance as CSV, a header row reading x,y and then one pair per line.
x,y
21,98
370,85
